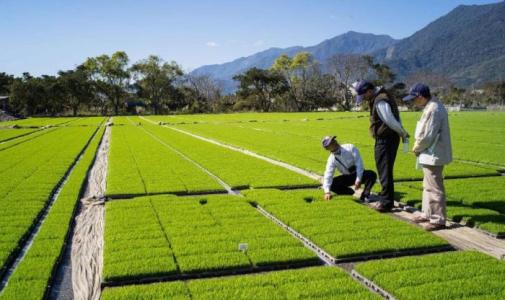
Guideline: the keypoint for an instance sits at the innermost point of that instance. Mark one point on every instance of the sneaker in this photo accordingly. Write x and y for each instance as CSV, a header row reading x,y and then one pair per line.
x,y
369,198
381,207
433,227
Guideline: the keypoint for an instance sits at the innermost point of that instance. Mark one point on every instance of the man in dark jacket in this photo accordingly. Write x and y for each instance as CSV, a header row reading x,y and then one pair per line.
x,y
386,129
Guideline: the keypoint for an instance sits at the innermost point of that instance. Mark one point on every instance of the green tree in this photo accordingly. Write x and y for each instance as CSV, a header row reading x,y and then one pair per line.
x,y
261,87
5,82
36,95
111,76
296,72
76,88
155,80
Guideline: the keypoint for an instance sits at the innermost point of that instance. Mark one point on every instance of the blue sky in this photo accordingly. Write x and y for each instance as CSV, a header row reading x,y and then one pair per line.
x,y
42,37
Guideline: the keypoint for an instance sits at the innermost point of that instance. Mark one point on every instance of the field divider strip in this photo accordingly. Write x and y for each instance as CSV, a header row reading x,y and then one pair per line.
x,y
226,186
364,257
295,169
371,285
500,168
323,255
11,266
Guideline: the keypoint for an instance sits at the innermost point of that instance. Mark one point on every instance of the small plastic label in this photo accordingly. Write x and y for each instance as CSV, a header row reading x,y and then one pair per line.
x,y
243,247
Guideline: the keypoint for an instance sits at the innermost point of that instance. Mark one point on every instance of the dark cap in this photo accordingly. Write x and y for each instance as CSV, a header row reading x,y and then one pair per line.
x,y
417,90
327,140
361,86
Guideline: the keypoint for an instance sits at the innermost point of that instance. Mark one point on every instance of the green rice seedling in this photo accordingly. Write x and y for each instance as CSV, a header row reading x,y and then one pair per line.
x,y
34,273
198,238
451,275
29,173
306,283
139,164
342,227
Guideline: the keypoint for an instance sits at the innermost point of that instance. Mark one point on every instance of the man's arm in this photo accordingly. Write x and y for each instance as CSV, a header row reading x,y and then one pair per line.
x,y
426,136
328,173
385,114
358,162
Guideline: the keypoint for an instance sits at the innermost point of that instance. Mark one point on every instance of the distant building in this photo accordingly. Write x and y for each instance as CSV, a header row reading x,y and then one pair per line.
x,y
135,106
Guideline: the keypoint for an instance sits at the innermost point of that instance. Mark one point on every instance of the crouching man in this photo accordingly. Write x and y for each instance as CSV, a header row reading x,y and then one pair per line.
x,y
347,160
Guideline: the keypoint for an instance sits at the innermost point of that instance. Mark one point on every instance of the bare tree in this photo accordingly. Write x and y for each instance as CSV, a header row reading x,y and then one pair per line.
x,y
437,83
206,89
345,69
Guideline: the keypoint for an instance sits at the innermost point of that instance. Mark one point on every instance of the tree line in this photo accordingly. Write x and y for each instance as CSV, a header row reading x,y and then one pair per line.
x,y
110,85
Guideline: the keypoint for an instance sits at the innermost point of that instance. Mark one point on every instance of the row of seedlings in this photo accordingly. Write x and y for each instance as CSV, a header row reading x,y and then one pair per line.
x,y
305,151
450,275
37,134
235,168
255,117
30,174
33,275
166,236
305,283
9,134
139,164
345,229
39,122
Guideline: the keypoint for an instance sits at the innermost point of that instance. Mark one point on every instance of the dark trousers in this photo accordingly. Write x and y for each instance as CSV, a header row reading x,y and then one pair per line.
x,y
385,156
341,184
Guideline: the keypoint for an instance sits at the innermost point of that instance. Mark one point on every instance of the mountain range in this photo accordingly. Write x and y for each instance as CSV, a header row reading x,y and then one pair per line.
x,y
467,46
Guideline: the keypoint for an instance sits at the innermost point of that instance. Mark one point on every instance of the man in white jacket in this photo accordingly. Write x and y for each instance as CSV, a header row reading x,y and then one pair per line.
x,y
347,160
433,149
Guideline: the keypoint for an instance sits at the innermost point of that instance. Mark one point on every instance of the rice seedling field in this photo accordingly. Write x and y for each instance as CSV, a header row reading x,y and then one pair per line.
x,y
230,207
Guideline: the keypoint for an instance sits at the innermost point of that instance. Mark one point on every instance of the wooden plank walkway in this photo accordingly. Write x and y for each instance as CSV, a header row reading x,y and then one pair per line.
x,y
463,237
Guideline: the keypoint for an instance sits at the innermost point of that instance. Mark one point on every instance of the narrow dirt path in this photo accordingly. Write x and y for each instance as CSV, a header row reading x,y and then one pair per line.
x,y
79,276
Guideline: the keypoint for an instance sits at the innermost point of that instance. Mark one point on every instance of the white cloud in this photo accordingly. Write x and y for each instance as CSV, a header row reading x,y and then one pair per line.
x,y
212,44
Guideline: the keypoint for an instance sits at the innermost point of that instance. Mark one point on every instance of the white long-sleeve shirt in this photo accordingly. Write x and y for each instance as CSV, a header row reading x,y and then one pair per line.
x,y
344,158
386,115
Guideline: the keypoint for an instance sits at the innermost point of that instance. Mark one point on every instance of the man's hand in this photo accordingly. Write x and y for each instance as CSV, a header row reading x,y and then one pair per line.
x,y
357,185
406,135
327,196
